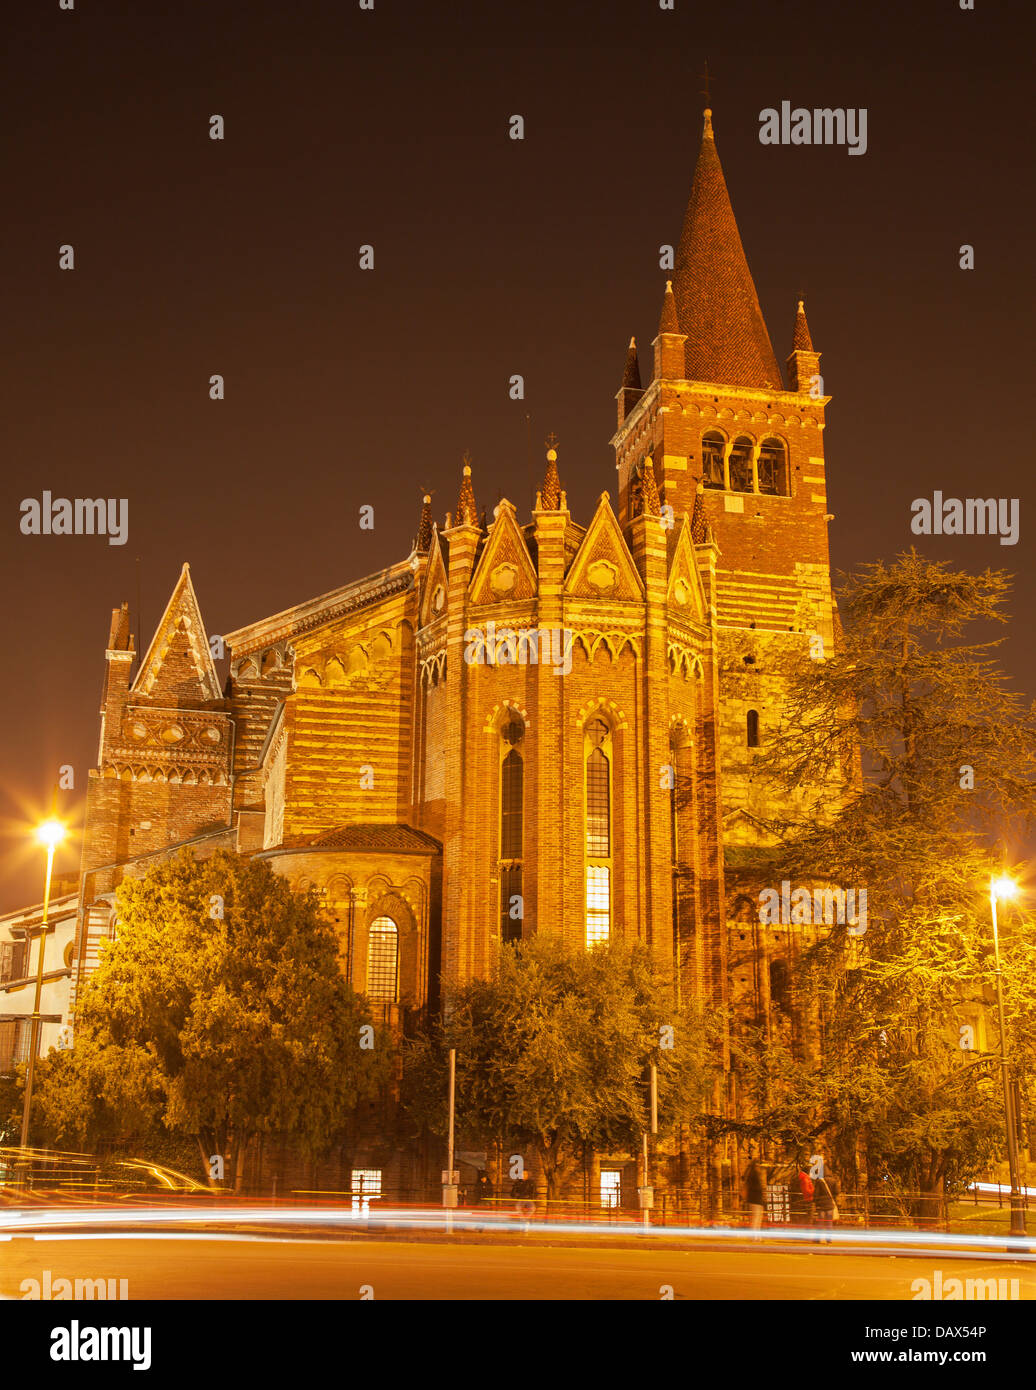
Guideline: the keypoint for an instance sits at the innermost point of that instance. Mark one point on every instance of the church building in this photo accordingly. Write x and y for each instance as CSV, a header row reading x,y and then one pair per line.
x,y
529,723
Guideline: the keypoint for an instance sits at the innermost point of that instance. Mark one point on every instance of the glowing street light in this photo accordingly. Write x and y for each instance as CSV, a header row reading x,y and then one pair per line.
x,y
1003,889
50,833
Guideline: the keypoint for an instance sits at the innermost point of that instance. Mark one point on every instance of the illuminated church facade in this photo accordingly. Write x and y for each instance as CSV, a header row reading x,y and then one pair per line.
x,y
526,725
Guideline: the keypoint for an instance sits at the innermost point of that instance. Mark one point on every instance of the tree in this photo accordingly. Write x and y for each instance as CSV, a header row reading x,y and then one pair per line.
x,y
908,762
554,1050
221,1009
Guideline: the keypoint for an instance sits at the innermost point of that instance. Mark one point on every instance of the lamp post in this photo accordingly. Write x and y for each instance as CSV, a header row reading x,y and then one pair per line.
x,y
50,833
1003,889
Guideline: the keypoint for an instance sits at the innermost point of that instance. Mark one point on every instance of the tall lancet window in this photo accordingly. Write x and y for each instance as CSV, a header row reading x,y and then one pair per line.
x,y
512,790
383,961
597,747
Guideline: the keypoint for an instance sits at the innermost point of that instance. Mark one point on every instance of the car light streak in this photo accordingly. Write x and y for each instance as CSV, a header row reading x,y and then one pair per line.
x,y
28,1221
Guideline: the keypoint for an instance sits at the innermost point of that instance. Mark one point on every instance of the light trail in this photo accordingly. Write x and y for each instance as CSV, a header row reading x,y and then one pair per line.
x,y
35,1222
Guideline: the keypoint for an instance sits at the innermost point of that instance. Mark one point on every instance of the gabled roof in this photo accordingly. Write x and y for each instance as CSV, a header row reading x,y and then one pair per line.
x,y
716,300
505,551
178,664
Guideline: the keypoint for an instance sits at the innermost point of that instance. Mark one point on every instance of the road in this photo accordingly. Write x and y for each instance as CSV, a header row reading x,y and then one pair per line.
x,y
250,1267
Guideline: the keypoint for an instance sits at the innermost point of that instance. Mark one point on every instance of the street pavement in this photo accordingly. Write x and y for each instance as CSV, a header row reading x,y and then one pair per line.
x,y
235,1266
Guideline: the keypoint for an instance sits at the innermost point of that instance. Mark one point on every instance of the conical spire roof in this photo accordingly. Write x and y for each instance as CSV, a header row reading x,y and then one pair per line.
x,y
467,511
550,492
631,371
716,300
669,321
802,342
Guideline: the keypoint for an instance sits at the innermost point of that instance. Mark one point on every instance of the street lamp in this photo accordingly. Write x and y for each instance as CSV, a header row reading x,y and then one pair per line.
x,y
50,834
1004,889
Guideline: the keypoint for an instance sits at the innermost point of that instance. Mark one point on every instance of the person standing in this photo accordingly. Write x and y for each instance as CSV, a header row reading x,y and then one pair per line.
x,y
825,1209
753,1189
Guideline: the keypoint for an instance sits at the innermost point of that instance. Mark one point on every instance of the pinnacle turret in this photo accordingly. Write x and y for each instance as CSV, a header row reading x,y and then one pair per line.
x,y
467,510
550,493
700,529
803,360
802,342
668,321
631,371
424,526
652,505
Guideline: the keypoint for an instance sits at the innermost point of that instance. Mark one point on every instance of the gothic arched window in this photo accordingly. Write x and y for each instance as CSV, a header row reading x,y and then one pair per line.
x,y
712,448
598,762
752,728
383,960
512,786
773,468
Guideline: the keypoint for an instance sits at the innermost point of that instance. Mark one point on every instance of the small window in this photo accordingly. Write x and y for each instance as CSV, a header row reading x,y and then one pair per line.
x,y
365,1185
611,1188
753,728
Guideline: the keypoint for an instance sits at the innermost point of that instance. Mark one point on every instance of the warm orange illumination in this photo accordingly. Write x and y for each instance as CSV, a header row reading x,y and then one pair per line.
x,y
50,833
1003,888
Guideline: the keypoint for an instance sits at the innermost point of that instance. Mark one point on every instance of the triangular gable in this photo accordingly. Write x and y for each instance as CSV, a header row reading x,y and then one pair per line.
x,y
505,570
178,665
685,594
603,557
436,579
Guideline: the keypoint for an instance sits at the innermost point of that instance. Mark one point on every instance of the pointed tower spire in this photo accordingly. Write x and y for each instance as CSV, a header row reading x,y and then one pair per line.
x,y
424,526
467,511
699,522
630,391
716,300
549,499
803,361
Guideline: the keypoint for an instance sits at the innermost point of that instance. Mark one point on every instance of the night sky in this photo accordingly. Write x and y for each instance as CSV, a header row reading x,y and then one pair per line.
x,y
492,257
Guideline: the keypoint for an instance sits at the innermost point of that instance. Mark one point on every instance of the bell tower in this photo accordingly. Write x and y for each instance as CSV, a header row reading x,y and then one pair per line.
x,y
740,454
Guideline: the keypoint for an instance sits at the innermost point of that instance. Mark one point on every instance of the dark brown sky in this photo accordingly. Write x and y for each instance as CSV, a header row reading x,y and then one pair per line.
x,y
493,257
